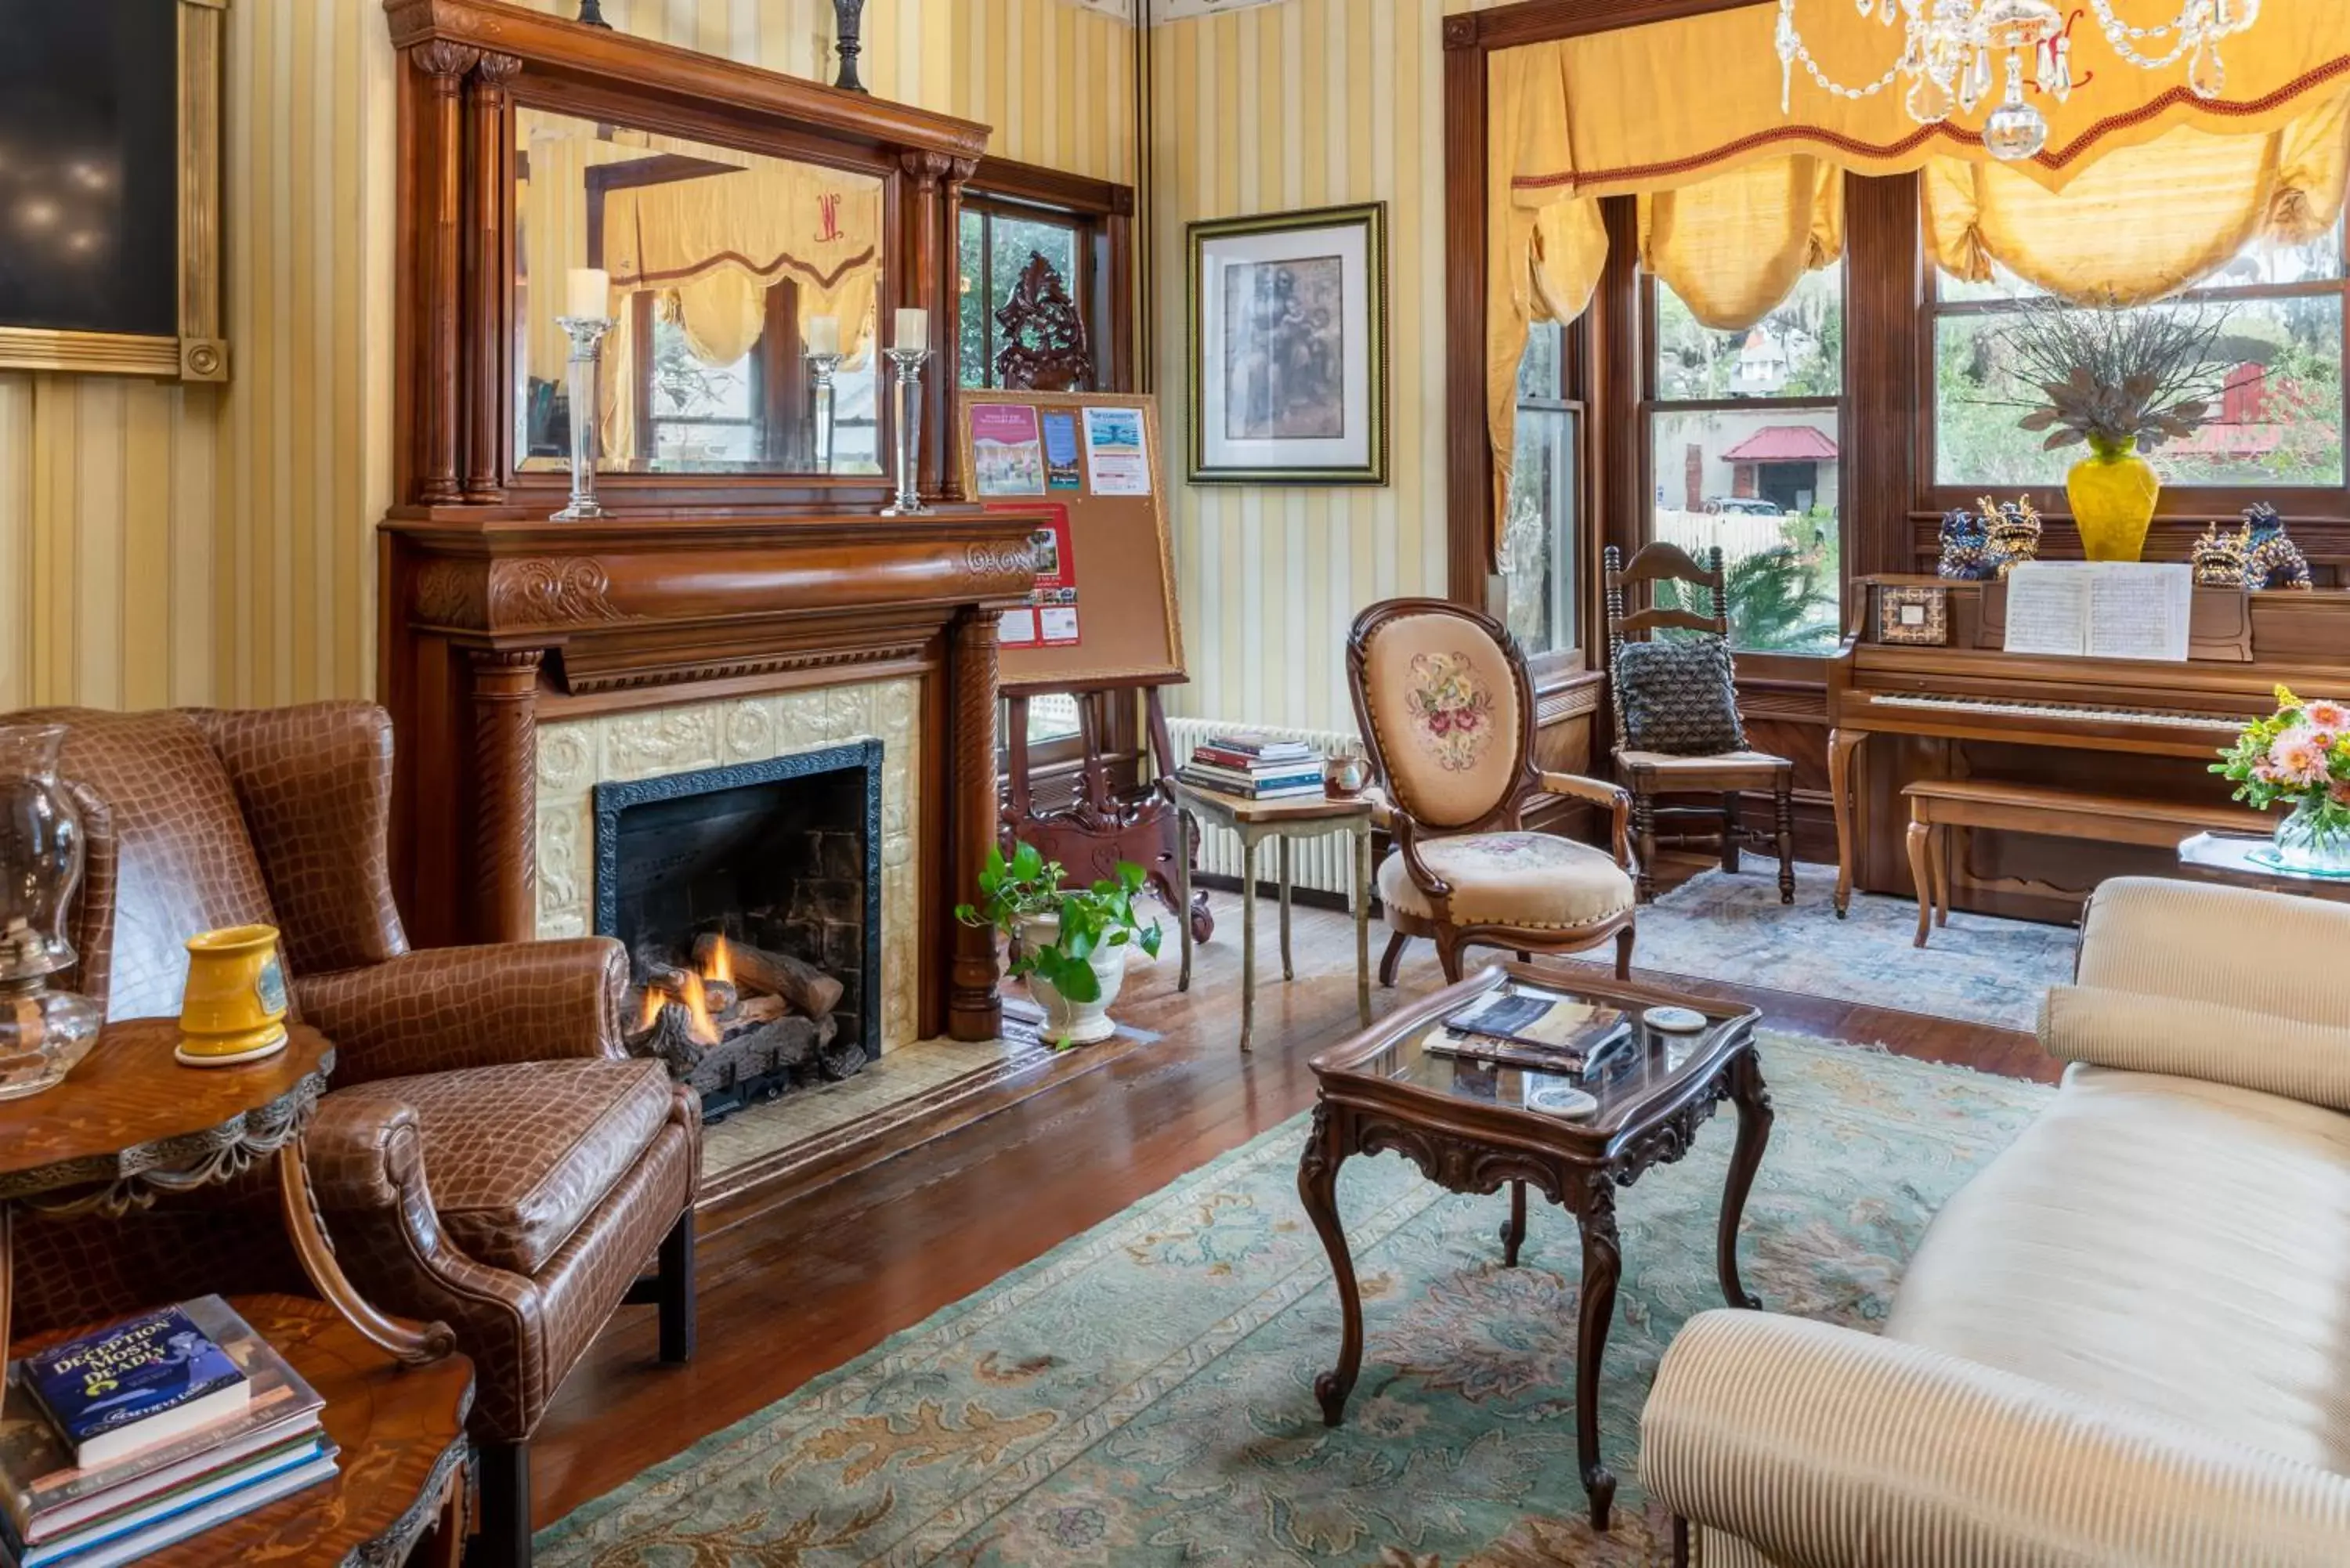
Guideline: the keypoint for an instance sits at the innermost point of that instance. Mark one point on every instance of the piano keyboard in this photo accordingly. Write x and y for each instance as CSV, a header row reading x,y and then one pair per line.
x,y
2072,712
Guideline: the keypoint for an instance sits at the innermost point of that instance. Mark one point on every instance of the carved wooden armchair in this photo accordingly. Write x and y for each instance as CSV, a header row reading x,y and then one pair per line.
x,y
1448,714
488,1156
1651,768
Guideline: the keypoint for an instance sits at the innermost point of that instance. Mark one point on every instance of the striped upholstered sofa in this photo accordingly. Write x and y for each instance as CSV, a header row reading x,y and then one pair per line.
x,y
2124,1342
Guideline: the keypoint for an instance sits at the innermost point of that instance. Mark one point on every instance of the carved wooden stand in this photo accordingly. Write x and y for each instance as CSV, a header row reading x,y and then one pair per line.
x,y
1653,1099
1107,825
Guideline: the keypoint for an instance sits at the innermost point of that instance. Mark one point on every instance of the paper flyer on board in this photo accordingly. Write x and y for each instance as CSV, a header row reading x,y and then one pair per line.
x,y
1115,452
1005,452
1061,469
1049,620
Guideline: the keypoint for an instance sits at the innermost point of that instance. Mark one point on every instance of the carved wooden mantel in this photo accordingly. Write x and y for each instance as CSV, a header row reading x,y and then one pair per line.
x,y
698,586
491,626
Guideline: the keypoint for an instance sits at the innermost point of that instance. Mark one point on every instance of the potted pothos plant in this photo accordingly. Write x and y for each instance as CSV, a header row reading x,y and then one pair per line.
x,y
1069,944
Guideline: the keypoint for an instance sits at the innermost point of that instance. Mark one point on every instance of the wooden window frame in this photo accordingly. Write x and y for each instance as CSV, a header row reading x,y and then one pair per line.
x,y
1102,212
1567,396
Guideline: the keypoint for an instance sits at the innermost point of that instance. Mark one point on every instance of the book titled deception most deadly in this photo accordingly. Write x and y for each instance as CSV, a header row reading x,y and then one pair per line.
x,y
133,1383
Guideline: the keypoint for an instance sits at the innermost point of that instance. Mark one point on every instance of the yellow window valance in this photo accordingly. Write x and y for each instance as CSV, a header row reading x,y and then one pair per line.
x,y
2146,220
1732,246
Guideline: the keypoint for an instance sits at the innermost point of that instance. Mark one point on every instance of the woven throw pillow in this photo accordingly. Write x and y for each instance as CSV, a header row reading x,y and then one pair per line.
x,y
1679,698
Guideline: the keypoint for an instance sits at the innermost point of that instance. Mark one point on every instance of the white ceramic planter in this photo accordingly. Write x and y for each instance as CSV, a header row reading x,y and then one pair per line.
x,y
1075,1022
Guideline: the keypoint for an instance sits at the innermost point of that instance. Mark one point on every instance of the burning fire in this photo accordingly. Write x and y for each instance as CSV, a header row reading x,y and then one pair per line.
x,y
718,967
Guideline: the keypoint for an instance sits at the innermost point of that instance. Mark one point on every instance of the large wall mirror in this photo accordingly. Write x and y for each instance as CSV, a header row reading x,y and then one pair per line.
x,y
726,270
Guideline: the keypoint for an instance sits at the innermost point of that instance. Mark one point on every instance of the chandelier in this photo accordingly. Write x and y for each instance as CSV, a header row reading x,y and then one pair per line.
x,y
1948,45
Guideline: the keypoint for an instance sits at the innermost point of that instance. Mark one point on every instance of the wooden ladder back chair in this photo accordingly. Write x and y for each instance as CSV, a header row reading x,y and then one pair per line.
x,y
1701,604
1447,713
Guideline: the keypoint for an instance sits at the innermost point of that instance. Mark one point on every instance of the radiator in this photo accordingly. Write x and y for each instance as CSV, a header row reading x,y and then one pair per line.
x,y
1321,863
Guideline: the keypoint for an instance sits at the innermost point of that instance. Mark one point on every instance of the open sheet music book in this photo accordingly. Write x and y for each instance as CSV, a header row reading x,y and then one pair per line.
x,y
2100,609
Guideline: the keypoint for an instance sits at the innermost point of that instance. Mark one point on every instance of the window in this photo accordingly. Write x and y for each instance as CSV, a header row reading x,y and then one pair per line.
x,y
1745,452
2275,378
1539,527
995,246
702,414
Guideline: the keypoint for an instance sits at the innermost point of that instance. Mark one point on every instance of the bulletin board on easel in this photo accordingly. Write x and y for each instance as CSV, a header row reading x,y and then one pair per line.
x,y
1103,612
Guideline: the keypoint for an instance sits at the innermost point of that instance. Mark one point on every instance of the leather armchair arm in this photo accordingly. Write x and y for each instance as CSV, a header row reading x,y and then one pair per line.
x,y
442,1008
1614,798
2208,1040
1823,1447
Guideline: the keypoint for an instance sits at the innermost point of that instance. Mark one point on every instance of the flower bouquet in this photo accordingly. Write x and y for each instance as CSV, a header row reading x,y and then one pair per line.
x,y
2301,754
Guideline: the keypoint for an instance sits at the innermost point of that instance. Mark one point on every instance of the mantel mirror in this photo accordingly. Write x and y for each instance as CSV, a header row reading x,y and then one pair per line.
x,y
728,272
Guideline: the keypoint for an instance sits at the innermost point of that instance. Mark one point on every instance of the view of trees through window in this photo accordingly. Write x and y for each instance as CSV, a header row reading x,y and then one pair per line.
x,y
1539,532
1746,452
994,246
2274,379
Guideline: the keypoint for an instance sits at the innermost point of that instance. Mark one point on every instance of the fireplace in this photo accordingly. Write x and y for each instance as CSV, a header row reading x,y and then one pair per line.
x,y
749,899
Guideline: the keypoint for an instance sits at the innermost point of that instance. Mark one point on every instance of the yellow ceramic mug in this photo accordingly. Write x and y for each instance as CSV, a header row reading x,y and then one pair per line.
x,y
235,1007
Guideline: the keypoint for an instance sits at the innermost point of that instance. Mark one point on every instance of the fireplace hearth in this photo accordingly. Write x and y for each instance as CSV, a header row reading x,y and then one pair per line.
x,y
748,898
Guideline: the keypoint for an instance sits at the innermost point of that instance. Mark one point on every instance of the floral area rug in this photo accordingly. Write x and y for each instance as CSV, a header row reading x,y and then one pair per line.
x,y
1143,1394
1732,927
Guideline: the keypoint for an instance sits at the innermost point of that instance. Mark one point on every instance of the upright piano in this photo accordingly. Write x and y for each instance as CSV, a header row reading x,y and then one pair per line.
x,y
1925,659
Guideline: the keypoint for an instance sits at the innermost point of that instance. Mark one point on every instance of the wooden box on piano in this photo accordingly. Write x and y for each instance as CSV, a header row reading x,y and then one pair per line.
x,y
2105,727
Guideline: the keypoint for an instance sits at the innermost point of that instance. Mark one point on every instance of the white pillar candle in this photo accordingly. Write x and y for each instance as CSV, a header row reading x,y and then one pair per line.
x,y
824,334
588,292
913,328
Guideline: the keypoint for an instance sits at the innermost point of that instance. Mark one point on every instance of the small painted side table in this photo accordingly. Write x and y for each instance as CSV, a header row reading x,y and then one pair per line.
x,y
2228,857
1306,816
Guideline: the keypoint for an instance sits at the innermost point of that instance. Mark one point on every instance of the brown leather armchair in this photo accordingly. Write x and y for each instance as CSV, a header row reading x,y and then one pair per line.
x,y
488,1157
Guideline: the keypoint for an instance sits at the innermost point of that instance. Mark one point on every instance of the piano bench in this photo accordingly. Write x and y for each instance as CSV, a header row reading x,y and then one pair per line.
x,y
1936,805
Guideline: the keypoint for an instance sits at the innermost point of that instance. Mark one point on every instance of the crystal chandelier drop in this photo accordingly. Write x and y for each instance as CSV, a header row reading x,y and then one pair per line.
x,y
1948,45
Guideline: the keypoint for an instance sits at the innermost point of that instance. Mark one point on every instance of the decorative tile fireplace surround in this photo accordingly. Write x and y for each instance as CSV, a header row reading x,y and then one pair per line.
x,y
575,755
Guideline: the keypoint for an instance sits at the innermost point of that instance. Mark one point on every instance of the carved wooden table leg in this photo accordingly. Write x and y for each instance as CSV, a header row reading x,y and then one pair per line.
x,y
1362,848
1748,1092
1318,1188
1842,745
408,1342
1603,1264
1183,892
1513,1229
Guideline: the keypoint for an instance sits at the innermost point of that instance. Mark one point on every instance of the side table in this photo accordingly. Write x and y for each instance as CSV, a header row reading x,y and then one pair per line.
x,y
1307,816
1467,1126
129,1123
2227,857
401,1470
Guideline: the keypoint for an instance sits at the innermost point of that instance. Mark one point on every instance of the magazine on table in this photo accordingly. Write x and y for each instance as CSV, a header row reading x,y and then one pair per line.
x,y
1525,1026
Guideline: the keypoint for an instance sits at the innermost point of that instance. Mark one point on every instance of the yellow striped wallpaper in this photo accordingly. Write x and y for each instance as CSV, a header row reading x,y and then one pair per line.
x,y
162,545
1303,103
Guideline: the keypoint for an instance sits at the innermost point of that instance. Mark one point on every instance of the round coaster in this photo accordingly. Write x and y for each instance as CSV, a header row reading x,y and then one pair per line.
x,y
182,1055
1674,1020
1560,1100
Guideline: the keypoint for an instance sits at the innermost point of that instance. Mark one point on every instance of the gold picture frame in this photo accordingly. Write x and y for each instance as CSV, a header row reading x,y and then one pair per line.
x,y
1278,302
198,352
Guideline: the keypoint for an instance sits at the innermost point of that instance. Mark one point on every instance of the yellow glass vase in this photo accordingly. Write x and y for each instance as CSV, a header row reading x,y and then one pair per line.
x,y
2113,491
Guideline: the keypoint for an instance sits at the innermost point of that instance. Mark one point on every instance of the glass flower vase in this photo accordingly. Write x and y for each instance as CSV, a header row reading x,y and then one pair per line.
x,y
2310,842
43,1032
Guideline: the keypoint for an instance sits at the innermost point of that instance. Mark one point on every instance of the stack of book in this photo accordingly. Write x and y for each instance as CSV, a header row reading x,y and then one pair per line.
x,y
125,1441
1541,1031
1254,767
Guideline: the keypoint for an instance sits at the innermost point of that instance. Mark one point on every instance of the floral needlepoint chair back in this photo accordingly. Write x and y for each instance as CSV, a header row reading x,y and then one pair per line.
x,y
1447,713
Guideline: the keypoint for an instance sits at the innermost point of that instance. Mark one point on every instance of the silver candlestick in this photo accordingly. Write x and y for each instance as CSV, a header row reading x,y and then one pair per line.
x,y
586,334
824,365
909,364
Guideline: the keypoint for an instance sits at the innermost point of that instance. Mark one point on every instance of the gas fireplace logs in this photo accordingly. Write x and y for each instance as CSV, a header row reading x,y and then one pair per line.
x,y
739,1023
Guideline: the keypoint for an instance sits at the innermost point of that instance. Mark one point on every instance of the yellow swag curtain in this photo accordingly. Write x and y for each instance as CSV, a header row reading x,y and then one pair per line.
x,y
2142,222
1687,114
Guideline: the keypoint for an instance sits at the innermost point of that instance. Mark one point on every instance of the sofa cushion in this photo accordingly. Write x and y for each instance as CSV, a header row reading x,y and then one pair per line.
x,y
2159,1243
1536,880
517,1156
1679,698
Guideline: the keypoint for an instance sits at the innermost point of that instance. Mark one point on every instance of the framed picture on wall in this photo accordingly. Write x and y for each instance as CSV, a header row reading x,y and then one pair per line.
x,y
1289,352
110,124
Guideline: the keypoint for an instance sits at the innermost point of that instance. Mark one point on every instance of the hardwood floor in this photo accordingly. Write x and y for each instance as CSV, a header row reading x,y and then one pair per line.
x,y
792,1288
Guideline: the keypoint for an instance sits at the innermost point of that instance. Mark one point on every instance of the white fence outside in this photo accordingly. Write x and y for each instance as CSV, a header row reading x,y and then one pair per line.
x,y
1739,535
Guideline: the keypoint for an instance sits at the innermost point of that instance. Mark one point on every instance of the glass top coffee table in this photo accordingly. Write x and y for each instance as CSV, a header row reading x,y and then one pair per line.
x,y
1467,1126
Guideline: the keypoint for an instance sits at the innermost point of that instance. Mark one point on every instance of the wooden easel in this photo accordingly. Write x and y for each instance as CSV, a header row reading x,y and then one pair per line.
x,y
1105,823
